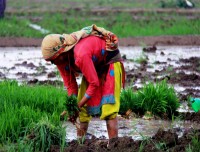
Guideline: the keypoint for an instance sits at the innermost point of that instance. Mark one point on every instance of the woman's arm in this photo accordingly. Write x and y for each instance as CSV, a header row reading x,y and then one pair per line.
x,y
87,68
69,79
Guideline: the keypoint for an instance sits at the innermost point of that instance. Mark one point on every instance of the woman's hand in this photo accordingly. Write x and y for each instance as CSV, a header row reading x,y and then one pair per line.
x,y
73,117
82,102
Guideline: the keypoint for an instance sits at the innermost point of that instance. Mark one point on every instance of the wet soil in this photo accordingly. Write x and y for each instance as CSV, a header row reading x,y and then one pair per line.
x,y
194,117
131,41
164,140
186,75
161,141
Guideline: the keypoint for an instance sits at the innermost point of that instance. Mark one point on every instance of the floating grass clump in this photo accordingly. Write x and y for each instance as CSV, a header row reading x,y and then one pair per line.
x,y
157,98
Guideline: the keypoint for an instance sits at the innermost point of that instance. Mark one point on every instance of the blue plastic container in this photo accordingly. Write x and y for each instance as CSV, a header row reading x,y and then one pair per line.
x,y
195,104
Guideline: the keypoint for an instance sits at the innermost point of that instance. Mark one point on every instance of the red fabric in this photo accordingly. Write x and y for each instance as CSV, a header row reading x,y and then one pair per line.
x,y
69,79
105,92
88,56
110,81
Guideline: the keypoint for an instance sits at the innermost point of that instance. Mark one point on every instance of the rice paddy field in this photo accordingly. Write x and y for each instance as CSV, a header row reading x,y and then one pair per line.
x,y
156,112
144,18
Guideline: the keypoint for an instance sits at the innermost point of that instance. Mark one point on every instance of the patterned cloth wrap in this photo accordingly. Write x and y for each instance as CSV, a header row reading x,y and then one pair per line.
x,y
55,44
111,39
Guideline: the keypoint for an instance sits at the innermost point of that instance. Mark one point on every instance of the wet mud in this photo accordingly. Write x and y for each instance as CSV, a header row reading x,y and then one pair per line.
x,y
161,141
187,75
130,41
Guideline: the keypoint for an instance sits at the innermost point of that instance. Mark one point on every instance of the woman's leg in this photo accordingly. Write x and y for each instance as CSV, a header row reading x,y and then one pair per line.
x,y
112,127
82,129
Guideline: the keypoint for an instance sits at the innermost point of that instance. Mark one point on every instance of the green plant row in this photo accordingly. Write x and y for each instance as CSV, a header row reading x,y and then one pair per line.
x,y
123,24
89,4
30,117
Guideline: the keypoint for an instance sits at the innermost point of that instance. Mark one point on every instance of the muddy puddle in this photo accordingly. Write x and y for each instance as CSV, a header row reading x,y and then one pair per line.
x,y
137,128
179,64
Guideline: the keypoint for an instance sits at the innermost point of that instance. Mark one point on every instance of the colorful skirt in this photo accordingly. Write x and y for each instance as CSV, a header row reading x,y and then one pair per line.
x,y
106,101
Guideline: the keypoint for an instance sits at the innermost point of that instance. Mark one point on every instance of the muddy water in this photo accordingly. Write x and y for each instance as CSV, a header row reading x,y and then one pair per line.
x,y
23,60
136,128
25,64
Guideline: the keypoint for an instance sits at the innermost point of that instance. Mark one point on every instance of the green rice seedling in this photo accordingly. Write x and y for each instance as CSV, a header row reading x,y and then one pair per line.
x,y
142,59
168,4
161,146
194,146
14,26
23,105
44,98
64,4
81,140
44,134
152,99
129,100
154,25
19,146
141,148
147,140
159,98
71,105
14,122
126,97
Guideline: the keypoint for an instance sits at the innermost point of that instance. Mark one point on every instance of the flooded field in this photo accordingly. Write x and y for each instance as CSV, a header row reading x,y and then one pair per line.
x,y
181,65
174,62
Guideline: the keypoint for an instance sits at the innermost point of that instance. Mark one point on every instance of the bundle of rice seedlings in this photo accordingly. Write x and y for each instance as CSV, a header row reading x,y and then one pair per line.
x,y
71,108
71,105
159,98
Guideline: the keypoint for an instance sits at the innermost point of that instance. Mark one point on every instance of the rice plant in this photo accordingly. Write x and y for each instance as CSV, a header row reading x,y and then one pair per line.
x,y
14,122
24,105
129,100
44,98
158,99
71,105
194,146
44,134
142,59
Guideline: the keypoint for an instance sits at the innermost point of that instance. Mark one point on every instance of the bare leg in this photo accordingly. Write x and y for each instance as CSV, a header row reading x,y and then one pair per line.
x,y
112,127
82,129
